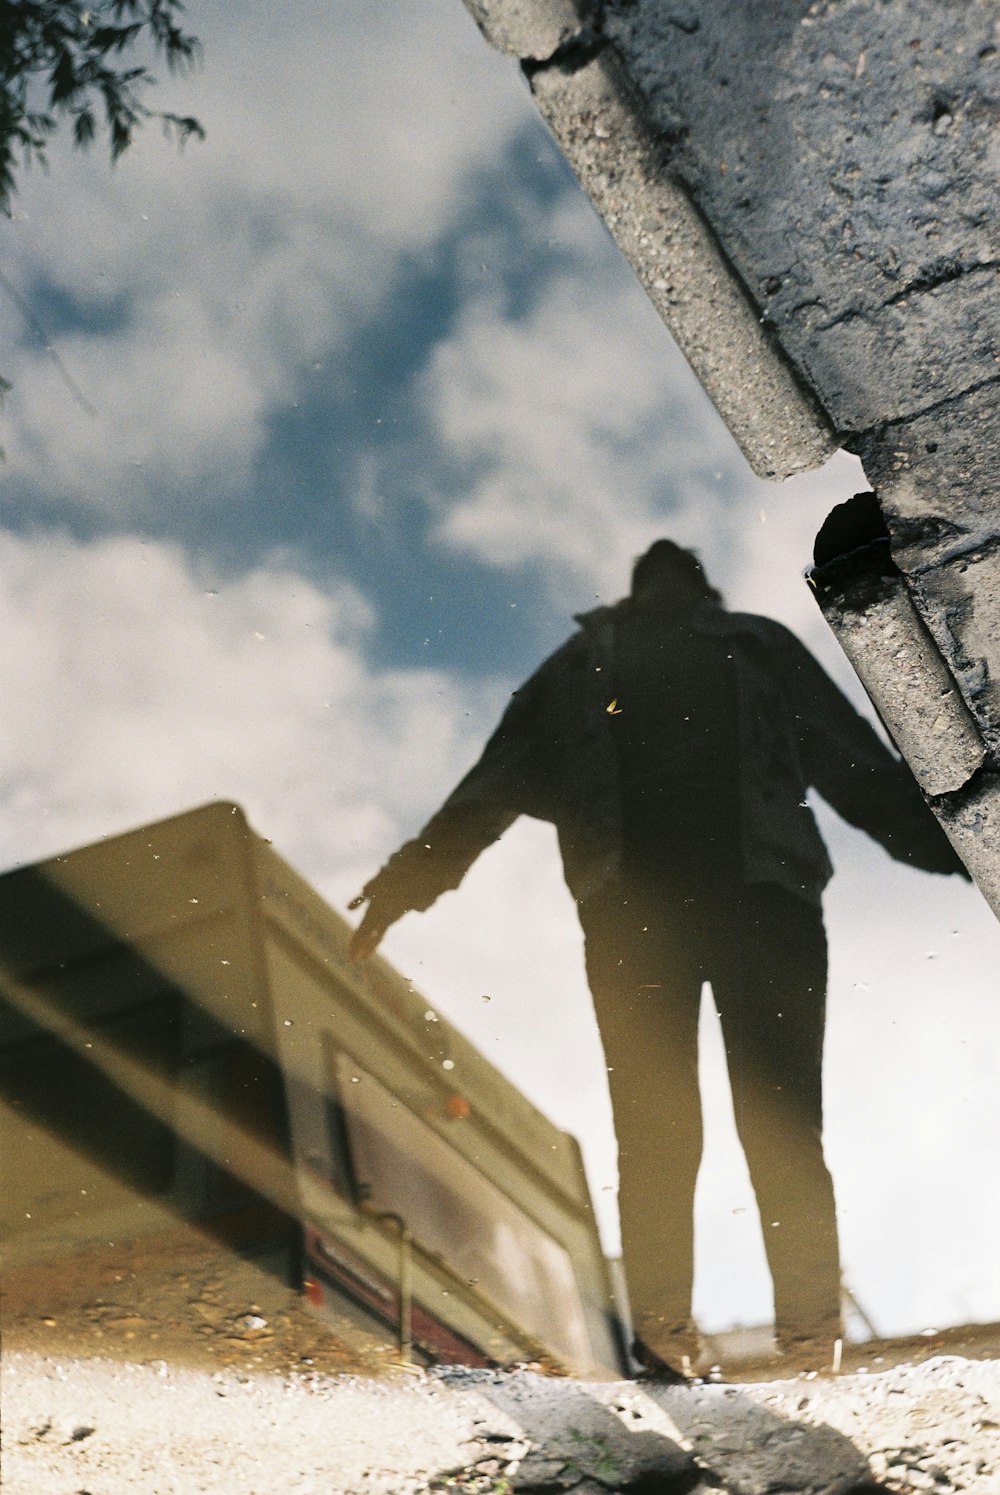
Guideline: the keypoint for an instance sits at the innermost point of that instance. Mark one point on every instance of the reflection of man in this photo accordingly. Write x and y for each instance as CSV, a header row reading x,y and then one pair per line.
x,y
672,744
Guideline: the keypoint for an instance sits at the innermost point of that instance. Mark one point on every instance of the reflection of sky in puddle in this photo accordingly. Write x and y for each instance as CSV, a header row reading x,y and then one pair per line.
x,y
377,407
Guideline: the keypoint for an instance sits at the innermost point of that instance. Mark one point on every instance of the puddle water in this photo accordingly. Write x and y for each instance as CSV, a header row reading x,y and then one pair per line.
x,y
354,415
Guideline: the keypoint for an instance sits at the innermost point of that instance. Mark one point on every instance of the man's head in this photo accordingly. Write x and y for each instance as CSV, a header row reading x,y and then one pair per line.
x,y
669,574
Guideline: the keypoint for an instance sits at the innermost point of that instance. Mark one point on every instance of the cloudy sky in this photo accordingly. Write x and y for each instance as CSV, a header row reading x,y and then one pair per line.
x,y
320,432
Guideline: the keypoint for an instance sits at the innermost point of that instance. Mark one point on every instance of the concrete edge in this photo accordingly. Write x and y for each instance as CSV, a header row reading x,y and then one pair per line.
x,y
588,99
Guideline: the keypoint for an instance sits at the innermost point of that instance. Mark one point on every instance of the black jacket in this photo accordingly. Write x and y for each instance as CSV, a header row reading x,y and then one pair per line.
x,y
553,757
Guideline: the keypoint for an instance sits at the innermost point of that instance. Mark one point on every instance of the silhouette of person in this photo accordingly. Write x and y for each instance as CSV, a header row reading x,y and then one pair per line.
x,y
672,743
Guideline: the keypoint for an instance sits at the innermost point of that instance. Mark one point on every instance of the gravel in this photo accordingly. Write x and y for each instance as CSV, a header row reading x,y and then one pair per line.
x,y
83,1425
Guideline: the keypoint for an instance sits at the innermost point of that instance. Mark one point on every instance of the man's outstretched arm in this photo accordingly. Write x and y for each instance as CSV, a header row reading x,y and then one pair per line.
x,y
509,779
434,861
378,918
861,778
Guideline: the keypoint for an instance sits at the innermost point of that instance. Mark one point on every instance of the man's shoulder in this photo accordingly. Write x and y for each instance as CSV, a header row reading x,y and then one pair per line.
x,y
568,657
719,619
774,644
596,618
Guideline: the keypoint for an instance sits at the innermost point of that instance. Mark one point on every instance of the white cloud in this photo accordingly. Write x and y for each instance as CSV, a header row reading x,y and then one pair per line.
x,y
339,142
580,426
583,436
134,689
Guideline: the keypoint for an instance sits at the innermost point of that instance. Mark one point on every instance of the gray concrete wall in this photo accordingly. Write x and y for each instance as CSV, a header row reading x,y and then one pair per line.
x,y
809,194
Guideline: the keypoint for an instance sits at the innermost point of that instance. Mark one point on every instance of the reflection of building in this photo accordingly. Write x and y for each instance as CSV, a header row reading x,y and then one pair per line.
x,y
177,1008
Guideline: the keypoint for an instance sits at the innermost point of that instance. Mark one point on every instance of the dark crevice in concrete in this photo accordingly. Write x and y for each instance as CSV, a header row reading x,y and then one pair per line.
x,y
572,55
668,140
973,548
925,531
800,306
931,280
850,314
774,283
850,526
940,275
984,781
855,441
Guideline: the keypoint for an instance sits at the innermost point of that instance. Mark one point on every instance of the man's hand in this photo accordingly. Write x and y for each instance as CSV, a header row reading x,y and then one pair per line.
x,y
368,936
382,912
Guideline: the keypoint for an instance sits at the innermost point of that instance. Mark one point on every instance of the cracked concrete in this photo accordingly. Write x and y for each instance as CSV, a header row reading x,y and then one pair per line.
x,y
601,124
842,156
871,610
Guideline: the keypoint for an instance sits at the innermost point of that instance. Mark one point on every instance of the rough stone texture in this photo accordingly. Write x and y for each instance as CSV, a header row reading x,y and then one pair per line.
x,y
531,28
938,475
882,635
870,607
846,156
972,820
599,121
938,480
809,192
959,597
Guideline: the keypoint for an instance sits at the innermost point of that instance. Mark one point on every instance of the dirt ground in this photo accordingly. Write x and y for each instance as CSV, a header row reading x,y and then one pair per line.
x,y
183,1297
169,1365
93,1426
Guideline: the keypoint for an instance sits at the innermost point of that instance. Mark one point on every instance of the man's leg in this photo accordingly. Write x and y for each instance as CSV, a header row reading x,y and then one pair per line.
x,y
769,983
646,985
